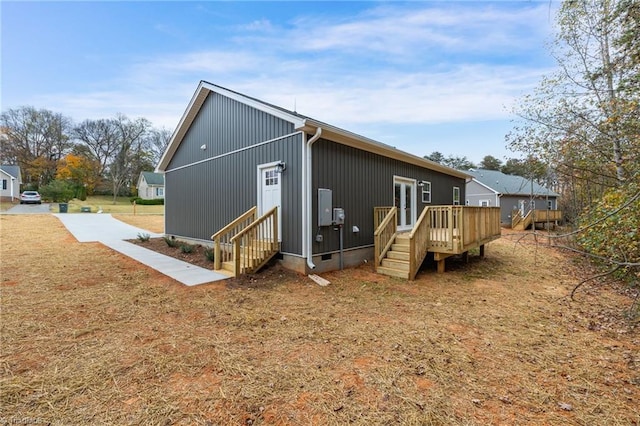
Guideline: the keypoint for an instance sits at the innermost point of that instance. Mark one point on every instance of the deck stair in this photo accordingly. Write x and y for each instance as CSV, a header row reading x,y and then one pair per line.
x,y
396,262
537,216
246,244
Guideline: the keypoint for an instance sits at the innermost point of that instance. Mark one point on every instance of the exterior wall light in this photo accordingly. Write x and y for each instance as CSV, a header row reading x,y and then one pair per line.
x,y
281,167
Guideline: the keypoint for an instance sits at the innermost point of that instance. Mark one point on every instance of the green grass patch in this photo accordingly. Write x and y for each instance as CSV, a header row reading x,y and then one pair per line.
x,y
106,205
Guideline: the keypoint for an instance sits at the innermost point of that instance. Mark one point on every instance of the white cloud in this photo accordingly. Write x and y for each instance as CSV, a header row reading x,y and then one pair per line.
x,y
321,64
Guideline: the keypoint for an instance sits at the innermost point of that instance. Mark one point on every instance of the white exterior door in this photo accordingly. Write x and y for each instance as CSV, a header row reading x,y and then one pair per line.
x,y
404,195
270,192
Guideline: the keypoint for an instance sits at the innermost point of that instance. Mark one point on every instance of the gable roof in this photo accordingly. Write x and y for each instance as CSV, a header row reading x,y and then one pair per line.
x,y
301,123
12,171
153,178
509,184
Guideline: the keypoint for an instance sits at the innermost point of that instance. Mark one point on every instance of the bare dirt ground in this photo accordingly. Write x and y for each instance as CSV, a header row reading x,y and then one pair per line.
x,y
89,336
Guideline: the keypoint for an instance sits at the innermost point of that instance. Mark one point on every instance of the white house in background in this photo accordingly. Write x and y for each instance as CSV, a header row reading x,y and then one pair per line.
x,y
10,181
150,185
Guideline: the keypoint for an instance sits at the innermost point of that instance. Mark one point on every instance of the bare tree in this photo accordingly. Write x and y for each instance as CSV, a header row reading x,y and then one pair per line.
x,y
35,140
131,144
157,141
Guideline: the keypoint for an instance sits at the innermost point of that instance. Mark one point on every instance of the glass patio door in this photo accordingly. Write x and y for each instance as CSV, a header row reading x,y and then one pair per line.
x,y
405,200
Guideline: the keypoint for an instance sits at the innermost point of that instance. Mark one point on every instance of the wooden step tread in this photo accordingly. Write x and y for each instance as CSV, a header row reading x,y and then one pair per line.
x,y
400,255
400,247
402,265
392,272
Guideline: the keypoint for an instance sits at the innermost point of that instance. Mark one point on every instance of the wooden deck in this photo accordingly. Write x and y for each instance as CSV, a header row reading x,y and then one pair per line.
x,y
537,216
442,230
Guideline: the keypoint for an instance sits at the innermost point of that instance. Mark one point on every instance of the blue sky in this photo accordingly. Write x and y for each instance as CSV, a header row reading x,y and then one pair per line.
x,y
422,76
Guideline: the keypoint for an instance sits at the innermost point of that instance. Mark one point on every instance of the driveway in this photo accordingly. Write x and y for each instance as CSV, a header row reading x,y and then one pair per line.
x,y
29,209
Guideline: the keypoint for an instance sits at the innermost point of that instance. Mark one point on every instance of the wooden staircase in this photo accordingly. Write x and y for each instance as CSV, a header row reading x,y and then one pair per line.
x,y
396,262
248,243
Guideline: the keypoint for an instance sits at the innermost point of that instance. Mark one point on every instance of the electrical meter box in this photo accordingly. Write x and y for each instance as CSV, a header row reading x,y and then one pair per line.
x,y
338,216
325,207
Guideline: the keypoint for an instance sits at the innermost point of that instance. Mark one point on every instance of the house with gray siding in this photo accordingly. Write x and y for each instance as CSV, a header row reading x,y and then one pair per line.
x,y
10,181
231,152
492,188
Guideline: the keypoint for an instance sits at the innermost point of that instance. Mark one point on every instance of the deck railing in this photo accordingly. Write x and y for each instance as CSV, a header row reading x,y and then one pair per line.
x,y
222,239
419,243
443,223
386,226
518,222
256,244
479,224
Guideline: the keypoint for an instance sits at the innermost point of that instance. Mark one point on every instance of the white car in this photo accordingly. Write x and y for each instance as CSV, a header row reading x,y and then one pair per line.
x,y
30,197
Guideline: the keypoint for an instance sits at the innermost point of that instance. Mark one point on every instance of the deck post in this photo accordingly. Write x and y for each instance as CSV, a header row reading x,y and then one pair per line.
x,y
465,257
482,250
217,262
441,266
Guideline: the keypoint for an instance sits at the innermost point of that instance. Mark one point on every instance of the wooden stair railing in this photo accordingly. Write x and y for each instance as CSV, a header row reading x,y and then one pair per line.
x,y
222,239
248,243
256,244
419,243
386,222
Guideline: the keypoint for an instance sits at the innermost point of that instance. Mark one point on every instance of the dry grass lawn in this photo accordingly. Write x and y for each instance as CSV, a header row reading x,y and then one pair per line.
x,y
91,337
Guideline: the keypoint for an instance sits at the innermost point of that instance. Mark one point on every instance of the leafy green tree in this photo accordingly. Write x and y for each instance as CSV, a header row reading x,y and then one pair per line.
x,y
529,167
460,163
58,191
490,163
436,157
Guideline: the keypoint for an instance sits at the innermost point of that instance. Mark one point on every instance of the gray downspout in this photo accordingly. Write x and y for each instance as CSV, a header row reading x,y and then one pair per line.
x,y
308,182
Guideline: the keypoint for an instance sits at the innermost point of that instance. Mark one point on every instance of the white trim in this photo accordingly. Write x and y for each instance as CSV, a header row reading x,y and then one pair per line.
x,y
414,207
232,152
308,125
454,196
488,203
493,191
198,99
260,168
425,192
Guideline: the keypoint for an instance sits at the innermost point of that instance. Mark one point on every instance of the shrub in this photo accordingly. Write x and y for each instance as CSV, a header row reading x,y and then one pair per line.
x,y
187,248
143,237
58,191
141,202
612,226
209,253
171,242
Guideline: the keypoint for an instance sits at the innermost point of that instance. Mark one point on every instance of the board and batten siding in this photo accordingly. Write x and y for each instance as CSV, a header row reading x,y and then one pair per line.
x,y
360,181
225,125
204,196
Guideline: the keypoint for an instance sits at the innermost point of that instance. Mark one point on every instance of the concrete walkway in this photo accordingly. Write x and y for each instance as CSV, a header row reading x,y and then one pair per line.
x,y
103,228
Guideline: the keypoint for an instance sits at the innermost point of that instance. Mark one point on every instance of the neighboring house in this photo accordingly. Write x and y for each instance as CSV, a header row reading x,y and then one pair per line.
x,y
10,179
491,188
231,152
150,185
